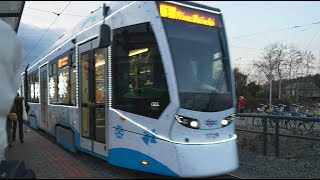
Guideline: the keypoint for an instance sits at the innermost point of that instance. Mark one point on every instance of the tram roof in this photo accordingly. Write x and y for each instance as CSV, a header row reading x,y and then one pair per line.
x,y
199,5
97,16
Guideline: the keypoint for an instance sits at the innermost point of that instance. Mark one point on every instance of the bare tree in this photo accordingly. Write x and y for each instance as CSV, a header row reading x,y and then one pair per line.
x,y
257,76
280,58
308,62
284,62
303,69
293,60
271,63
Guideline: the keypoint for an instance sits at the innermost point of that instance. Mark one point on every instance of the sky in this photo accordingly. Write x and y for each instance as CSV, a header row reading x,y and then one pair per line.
x,y
250,26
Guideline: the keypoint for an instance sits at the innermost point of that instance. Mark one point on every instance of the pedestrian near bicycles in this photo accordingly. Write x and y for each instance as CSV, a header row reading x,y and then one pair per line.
x,y
20,110
241,105
10,120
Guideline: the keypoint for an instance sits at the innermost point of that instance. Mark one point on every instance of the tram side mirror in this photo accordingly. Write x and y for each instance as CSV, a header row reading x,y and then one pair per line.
x,y
104,38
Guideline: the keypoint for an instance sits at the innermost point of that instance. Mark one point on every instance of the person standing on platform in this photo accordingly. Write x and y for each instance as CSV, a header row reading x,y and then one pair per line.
x,y
20,110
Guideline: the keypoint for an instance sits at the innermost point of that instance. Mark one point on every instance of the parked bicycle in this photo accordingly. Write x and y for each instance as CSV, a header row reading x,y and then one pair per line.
x,y
261,109
273,110
279,111
311,111
294,110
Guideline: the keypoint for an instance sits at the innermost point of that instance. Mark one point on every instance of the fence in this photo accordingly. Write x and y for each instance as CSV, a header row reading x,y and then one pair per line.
x,y
277,120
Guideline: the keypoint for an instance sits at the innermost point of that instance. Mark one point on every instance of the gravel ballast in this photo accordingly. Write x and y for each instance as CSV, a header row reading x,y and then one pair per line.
x,y
299,158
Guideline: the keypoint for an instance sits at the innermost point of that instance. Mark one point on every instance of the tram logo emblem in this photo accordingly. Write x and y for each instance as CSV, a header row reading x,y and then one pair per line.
x,y
118,132
149,138
211,122
155,104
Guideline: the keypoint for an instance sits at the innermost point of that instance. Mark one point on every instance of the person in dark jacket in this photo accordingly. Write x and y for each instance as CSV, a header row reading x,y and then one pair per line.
x,y
19,110
9,125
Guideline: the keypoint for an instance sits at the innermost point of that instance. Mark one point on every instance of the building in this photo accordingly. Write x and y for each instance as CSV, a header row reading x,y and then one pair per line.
x,y
301,90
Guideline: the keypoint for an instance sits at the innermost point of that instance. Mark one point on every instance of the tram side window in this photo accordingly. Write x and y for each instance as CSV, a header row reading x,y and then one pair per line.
x,y
73,79
28,87
63,85
33,85
139,83
53,84
62,81
36,88
22,87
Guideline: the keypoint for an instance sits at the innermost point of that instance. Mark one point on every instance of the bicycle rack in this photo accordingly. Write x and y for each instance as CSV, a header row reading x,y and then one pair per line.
x,y
277,133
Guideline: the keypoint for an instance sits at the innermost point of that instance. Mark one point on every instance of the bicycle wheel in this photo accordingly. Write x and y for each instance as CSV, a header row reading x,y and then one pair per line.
x,y
308,125
271,123
256,122
286,123
283,123
299,125
291,124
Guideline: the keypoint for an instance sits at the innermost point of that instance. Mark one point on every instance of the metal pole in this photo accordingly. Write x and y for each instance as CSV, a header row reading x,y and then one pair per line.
x,y
277,138
297,92
26,84
265,136
270,95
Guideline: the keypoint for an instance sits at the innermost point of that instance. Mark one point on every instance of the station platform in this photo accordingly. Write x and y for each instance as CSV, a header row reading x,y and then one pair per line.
x,y
46,159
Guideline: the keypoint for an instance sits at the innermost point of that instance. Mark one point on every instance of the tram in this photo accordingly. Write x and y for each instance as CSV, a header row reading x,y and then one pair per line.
x,y
145,85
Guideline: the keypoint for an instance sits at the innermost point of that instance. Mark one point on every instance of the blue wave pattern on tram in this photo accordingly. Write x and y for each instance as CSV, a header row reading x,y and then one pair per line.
x,y
132,159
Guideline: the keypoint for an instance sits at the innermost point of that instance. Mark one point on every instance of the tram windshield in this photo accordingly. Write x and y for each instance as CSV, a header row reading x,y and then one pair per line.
x,y
200,65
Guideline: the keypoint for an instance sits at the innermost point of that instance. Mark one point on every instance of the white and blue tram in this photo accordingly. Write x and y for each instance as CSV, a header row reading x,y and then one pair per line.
x,y
143,85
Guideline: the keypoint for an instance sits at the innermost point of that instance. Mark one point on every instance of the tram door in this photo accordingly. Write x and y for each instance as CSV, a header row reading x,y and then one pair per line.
x,y
44,96
92,78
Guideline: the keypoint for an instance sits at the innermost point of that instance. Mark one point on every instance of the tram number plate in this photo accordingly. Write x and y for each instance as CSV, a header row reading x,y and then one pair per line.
x,y
212,135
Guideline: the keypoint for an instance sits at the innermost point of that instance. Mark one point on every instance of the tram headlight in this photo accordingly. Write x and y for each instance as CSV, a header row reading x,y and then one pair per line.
x,y
224,122
228,120
194,124
188,122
